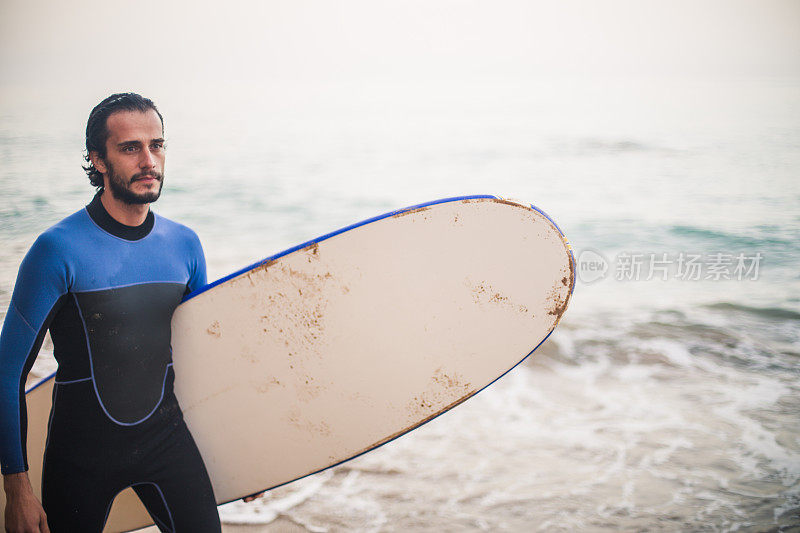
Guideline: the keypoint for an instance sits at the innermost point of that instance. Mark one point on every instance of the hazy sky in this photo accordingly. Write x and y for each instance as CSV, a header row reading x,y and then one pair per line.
x,y
107,42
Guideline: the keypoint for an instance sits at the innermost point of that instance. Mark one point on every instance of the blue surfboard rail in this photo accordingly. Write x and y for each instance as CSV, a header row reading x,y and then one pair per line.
x,y
40,383
328,236
351,227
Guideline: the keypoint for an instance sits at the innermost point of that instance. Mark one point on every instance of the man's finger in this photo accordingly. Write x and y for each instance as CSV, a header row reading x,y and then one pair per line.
x,y
252,497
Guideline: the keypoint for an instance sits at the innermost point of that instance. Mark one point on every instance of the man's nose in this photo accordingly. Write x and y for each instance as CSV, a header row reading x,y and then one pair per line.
x,y
147,160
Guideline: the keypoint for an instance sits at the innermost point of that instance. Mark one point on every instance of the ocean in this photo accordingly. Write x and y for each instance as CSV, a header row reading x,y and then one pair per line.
x,y
669,396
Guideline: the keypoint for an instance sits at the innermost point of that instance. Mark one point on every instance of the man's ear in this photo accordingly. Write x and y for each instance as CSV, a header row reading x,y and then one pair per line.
x,y
98,162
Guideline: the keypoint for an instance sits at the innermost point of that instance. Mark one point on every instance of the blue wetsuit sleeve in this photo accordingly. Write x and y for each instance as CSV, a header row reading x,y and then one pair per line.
x,y
198,276
41,282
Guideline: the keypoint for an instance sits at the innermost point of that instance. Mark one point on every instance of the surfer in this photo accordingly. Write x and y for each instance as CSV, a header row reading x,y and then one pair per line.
x,y
106,281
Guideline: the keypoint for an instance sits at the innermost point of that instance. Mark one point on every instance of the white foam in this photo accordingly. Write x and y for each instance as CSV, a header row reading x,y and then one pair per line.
x,y
675,352
267,508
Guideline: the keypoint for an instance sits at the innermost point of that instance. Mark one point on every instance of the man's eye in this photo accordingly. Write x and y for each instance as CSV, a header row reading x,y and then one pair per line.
x,y
129,149
157,146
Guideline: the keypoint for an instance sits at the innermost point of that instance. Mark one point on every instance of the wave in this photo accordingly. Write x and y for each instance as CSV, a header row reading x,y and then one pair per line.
x,y
728,239
765,312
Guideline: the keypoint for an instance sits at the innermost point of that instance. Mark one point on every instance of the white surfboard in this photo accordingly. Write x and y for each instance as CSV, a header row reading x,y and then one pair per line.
x,y
334,347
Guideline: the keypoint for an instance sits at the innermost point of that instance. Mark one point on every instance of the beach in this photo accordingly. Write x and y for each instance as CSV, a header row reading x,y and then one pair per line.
x,y
666,399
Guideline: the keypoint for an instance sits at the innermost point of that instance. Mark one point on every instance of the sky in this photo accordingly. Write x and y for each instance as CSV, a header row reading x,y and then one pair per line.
x,y
102,42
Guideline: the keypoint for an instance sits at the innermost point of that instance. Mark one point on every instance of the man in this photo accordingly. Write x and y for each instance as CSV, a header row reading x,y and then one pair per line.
x,y
106,281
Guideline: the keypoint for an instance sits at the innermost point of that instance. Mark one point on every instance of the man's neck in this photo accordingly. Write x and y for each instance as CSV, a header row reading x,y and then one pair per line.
x,y
128,214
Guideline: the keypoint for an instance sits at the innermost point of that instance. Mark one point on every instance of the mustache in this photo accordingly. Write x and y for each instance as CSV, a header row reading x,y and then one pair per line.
x,y
153,174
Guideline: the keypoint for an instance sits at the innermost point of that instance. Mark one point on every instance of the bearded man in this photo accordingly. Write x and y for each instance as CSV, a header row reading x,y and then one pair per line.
x,y
105,282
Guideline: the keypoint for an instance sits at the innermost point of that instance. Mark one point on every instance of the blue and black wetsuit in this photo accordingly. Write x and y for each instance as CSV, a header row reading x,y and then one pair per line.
x,y
107,293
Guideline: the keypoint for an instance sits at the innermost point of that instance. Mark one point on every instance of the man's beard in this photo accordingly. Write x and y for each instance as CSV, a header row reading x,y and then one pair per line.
x,y
120,190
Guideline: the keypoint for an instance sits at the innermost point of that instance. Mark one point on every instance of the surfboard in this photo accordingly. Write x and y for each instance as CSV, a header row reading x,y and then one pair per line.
x,y
334,347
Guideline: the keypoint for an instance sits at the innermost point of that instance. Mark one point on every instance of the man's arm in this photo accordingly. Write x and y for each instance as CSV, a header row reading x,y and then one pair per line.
x,y
41,282
23,511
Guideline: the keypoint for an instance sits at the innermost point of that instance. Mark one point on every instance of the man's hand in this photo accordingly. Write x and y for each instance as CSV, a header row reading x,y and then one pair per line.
x,y
24,513
252,497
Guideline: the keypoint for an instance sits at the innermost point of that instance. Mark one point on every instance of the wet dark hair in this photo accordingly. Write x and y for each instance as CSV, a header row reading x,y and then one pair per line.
x,y
97,127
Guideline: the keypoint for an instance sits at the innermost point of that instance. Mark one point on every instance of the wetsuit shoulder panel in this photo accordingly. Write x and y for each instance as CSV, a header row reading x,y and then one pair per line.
x,y
191,249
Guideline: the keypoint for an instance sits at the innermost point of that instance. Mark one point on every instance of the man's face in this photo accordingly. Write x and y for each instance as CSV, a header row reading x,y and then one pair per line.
x,y
133,169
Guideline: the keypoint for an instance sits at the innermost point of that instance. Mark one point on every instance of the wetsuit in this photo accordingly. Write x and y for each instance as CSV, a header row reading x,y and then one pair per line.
x,y
107,293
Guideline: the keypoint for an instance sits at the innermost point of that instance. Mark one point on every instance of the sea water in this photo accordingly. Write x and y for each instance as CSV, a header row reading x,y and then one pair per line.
x,y
667,399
